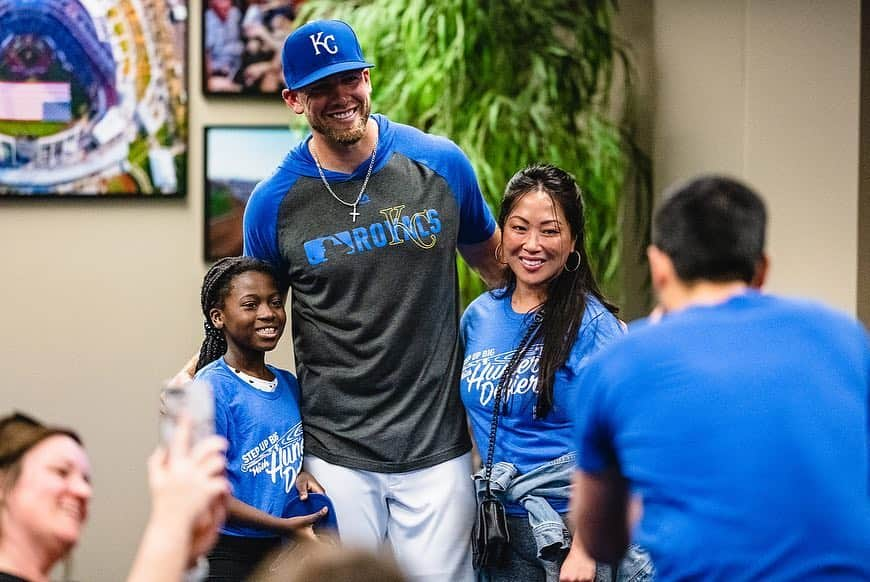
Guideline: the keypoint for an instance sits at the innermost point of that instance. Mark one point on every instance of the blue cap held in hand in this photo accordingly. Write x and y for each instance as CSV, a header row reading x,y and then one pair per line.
x,y
296,507
319,49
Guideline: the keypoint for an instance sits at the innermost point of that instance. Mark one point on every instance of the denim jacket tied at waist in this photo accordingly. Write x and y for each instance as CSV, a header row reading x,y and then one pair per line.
x,y
553,480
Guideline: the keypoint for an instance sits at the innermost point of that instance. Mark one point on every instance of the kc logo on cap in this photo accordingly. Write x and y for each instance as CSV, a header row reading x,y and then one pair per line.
x,y
318,42
319,49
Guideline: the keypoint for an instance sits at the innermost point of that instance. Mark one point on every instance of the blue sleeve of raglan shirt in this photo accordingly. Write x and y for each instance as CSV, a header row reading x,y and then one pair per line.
x,y
476,222
260,225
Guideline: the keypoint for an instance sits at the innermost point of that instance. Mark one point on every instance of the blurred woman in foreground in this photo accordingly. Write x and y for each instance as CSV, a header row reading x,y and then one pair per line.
x,y
45,491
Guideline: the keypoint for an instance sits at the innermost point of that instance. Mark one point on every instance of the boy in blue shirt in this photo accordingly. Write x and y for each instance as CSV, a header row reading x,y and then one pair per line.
x,y
740,420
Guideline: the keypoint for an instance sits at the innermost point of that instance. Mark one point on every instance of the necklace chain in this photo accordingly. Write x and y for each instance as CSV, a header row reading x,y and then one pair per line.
x,y
353,205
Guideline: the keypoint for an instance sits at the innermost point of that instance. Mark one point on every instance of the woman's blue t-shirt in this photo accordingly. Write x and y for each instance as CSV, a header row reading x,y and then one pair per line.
x,y
491,331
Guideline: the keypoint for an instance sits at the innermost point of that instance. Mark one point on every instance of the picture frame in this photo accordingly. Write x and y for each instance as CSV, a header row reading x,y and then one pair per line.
x,y
93,99
241,46
237,157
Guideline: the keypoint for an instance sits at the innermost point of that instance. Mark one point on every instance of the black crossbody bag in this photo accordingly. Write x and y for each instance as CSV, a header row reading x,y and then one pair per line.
x,y
490,538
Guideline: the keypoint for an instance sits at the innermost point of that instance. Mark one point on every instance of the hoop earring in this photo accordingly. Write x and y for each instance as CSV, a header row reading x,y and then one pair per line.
x,y
498,255
577,266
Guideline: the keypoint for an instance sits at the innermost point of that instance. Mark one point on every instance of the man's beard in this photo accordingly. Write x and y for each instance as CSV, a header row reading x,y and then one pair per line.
x,y
344,136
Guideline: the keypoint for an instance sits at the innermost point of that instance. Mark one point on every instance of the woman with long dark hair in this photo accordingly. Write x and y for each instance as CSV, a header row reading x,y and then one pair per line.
x,y
524,344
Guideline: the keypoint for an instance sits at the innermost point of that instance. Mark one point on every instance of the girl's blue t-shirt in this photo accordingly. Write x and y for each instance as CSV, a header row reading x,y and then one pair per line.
x,y
264,430
491,331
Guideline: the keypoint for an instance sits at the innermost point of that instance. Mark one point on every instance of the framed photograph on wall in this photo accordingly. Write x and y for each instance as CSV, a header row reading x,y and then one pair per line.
x,y
236,159
241,45
93,98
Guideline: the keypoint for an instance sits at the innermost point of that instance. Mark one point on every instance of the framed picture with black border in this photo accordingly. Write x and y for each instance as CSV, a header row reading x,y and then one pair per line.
x,y
241,45
93,99
237,157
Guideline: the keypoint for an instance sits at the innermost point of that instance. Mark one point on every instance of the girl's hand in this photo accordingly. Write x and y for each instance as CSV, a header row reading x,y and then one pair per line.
x,y
306,483
306,534
578,566
302,525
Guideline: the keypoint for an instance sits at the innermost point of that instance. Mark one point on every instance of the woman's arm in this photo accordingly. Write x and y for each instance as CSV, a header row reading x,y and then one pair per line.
x,y
188,497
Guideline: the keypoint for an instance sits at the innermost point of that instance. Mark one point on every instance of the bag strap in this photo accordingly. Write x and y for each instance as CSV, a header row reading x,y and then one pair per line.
x,y
500,390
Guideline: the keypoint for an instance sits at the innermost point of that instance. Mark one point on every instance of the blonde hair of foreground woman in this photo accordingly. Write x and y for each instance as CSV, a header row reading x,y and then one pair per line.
x,y
316,562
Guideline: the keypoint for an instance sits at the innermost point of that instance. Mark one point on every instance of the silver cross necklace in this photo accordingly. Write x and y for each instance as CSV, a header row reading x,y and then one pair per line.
x,y
353,205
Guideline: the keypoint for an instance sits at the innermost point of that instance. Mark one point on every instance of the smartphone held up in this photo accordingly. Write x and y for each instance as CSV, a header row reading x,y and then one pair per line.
x,y
194,400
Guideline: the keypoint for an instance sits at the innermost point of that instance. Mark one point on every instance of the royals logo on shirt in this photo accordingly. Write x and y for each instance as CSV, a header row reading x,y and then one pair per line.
x,y
398,227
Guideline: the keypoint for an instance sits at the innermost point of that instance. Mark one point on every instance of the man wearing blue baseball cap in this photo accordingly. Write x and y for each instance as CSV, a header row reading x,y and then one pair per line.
x,y
363,219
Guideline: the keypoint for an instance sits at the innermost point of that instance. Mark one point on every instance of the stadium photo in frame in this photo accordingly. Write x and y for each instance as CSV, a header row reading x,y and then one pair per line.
x,y
93,98
241,45
236,159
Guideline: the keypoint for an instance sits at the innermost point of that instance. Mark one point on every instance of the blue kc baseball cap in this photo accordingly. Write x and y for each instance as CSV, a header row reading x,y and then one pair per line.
x,y
319,49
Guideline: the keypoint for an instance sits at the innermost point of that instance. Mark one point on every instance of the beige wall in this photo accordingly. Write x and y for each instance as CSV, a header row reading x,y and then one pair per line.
x,y
864,179
99,303
100,300
769,91
635,24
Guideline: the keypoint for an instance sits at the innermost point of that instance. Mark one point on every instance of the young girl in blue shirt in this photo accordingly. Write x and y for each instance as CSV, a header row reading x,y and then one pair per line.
x,y
257,411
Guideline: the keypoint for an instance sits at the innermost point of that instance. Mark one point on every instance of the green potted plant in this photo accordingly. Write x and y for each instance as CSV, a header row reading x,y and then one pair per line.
x,y
513,82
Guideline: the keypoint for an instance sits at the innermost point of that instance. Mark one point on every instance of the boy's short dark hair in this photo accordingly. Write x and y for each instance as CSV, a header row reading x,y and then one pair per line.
x,y
712,228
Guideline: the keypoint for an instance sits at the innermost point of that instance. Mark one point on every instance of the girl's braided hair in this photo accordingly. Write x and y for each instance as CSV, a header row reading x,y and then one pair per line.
x,y
215,287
